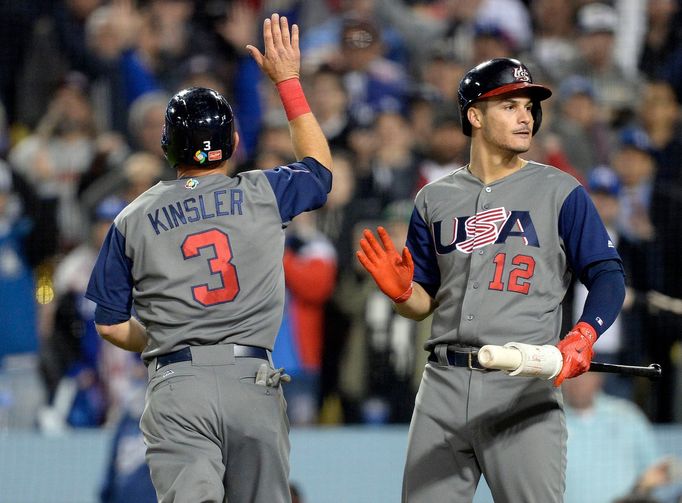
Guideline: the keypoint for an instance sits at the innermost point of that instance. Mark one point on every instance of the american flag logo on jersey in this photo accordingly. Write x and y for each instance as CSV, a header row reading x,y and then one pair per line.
x,y
495,225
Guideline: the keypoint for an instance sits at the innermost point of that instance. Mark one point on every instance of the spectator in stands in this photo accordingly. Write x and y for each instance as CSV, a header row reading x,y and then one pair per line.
x,y
662,39
605,435
584,134
310,277
58,153
393,166
597,23
329,102
440,74
553,45
447,147
71,356
492,41
635,165
660,116
127,477
373,82
382,352
56,45
321,43
21,392
138,173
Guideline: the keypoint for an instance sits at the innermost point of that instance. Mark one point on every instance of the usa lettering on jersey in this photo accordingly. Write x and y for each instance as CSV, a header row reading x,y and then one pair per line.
x,y
492,226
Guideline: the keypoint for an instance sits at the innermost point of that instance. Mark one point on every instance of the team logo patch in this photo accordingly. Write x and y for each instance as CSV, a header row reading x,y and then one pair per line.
x,y
200,157
521,74
191,183
215,155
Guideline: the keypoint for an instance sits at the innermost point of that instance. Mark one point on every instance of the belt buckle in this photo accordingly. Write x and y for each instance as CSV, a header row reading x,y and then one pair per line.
x,y
470,362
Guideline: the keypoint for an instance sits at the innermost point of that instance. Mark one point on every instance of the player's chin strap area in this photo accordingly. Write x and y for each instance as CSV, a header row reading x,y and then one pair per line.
x,y
445,356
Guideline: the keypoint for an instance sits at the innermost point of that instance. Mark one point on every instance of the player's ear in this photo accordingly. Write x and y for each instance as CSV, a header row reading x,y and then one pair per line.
x,y
474,116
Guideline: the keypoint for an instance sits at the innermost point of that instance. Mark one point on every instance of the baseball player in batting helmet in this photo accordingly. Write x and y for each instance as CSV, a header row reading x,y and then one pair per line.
x,y
199,259
490,253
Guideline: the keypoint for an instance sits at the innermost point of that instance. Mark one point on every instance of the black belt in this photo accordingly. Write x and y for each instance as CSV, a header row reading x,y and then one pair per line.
x,y
468,359
185,355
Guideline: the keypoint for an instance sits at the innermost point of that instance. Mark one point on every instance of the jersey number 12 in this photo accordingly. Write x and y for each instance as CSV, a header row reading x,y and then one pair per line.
x,y
519,276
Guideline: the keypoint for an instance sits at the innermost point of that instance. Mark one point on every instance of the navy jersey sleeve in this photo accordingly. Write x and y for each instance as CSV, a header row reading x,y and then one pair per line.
x,y
298,187
426,270
585,238
111,282
606,284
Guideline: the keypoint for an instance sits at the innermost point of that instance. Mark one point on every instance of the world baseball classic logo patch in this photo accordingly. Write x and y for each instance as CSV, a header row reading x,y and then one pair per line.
x,y
191,183
200,157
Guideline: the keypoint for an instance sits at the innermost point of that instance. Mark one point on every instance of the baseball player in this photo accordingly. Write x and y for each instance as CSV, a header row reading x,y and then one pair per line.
x,y
490,252
199,259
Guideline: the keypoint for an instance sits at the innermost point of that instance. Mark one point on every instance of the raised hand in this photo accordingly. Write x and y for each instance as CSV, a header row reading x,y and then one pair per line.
x,y
391,271
282,58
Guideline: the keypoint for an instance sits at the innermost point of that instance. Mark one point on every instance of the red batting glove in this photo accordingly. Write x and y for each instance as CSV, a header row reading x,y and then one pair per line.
x,y
576,350
392,272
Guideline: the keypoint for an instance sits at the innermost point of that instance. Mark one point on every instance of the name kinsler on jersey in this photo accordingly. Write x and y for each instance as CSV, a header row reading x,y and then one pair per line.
x,y
192,209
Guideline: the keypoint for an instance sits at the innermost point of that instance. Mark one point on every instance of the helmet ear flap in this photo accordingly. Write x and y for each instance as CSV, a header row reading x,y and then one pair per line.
x,y
536,111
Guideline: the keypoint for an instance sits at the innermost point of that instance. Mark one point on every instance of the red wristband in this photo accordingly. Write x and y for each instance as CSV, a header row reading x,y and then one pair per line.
x,y
404,296
293,99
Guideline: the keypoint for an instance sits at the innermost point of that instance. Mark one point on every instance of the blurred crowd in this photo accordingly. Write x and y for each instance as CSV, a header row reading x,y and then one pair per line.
x,y
83,92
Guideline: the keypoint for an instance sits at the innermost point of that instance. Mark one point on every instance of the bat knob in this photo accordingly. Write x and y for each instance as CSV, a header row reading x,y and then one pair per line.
x,y
658,371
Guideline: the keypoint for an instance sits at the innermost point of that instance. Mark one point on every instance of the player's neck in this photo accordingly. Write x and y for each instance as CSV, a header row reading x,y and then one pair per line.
x,y
191,171
490,166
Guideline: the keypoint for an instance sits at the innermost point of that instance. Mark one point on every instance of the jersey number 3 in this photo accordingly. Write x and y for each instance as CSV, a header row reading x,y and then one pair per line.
x,y
519,276
218,265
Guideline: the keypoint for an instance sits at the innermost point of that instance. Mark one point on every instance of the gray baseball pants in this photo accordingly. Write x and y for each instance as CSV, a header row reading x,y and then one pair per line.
x,y
212,434
468,422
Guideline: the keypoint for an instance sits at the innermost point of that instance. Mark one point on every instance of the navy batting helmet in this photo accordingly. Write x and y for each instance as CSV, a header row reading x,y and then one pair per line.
x,y
199,128
497,77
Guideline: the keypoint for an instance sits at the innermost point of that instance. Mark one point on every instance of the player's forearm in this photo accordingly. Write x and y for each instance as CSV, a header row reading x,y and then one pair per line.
x,y
129,335
309,141
419,306
306,134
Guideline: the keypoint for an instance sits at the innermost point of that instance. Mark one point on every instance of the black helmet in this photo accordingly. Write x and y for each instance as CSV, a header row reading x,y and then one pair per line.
x,y
497,77
199,128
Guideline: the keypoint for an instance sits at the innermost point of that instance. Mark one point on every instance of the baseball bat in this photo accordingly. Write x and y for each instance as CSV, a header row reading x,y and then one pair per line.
x,y
510,359
653,371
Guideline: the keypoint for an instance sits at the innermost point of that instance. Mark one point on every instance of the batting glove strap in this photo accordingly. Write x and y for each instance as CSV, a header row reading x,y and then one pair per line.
x,y
405,295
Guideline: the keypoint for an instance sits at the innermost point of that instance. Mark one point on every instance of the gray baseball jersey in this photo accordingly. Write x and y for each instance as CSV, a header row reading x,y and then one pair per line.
x,y
200,259
498,258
